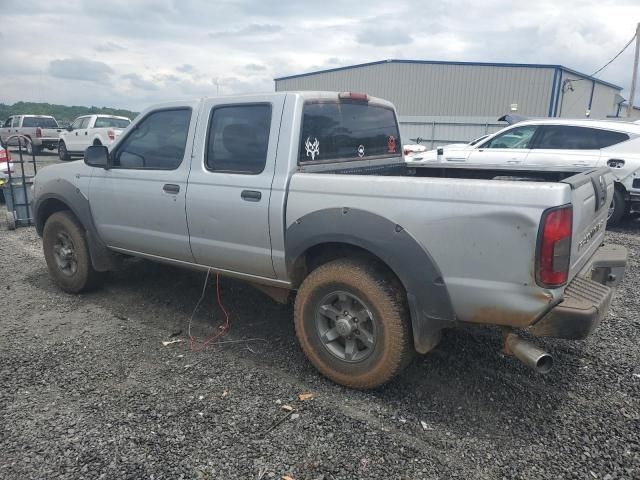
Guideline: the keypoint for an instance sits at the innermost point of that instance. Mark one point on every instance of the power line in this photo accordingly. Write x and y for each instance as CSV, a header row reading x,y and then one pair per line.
x,y
617,55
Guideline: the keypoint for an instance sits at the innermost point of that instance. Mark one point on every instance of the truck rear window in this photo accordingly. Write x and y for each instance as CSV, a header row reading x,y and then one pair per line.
x,y
42,122
348,131
106,122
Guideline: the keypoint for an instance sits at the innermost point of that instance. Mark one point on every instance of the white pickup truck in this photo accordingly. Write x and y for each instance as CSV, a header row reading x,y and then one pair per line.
x,y
41,132
90,130
308,192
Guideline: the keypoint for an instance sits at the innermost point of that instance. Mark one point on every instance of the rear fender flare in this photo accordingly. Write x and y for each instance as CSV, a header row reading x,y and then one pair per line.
x,y
429,301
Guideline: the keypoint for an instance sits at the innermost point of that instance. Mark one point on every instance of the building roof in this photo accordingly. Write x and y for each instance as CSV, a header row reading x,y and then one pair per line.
x,y
472,64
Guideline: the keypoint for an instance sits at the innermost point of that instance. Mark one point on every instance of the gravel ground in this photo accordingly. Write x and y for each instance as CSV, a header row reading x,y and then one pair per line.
x,y
87,390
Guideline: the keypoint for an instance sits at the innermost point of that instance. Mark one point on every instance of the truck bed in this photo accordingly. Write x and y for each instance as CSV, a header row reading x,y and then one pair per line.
x,y
466,218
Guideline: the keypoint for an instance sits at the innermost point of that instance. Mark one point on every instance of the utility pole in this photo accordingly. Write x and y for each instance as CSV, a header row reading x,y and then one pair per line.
x,y
634,78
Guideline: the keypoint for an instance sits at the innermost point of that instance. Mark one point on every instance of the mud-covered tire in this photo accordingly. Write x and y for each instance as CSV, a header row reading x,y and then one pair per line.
x,y
84,277
393,347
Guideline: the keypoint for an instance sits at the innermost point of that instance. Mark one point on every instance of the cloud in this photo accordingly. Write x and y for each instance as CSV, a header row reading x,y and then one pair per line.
x,y
185,68
137,81
255,67
80,69
167,49
383,37
249,30
109,47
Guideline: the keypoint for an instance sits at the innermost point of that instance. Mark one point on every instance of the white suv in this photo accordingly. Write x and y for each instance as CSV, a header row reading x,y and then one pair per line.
x,y
558,145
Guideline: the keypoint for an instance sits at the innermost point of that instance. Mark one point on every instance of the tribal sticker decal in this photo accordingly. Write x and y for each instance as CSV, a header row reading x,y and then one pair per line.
x,y
391,144
312,147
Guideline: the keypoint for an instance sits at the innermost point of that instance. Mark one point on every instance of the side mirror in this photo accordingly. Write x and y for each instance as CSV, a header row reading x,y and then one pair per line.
x,y
69,128
97,156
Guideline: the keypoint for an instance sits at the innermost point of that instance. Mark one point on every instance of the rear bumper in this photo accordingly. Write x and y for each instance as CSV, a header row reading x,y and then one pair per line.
x,y
46,142
587,298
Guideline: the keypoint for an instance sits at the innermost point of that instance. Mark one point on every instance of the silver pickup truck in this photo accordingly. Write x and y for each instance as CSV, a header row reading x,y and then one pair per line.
x,y
42,131
308,193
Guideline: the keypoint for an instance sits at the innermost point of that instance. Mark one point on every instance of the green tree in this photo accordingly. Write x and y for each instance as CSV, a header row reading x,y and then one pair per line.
x,y
62,113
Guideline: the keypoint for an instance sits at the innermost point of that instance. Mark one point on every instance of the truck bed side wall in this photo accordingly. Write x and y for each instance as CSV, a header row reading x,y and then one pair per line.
x,y
483,247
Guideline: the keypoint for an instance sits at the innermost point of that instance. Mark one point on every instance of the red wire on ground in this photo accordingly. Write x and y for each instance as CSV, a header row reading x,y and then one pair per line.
x,y
194,344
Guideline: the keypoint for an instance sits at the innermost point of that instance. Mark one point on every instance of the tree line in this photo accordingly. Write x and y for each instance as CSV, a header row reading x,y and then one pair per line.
x,y
62,113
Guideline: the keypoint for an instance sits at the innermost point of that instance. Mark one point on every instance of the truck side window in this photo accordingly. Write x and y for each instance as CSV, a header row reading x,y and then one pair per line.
x,y
238,138
76,123
158,142
519,137
85,122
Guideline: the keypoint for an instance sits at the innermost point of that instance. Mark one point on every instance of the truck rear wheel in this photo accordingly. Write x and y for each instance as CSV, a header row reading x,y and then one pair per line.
x,y
32,149
353,324
67,253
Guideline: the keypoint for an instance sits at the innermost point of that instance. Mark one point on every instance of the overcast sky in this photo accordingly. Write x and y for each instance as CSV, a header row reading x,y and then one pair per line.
x,y
131,53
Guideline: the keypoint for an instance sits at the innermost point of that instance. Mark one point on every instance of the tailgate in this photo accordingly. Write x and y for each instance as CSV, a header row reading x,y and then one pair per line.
x,y
591,195
51,132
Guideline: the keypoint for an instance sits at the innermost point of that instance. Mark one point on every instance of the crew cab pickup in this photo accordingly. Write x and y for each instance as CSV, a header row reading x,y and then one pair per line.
x,y
41,132
308,193
90,130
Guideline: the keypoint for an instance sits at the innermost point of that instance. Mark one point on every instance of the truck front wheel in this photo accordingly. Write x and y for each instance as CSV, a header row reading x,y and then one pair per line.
x,y
63,153
67,253
353,324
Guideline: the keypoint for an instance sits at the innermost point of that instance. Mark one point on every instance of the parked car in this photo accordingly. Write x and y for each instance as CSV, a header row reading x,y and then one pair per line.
x,y
558,145
308,192
41,131
90,130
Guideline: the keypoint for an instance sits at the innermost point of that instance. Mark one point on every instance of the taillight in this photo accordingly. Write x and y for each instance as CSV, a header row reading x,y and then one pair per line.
x,y
5,156
554,247
38,132
361,97
111,134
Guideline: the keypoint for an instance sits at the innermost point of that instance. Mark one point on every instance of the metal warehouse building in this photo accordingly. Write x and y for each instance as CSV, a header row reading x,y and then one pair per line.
x,y
445,102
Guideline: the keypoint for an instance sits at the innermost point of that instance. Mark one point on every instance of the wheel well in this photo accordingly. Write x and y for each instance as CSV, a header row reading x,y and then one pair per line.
x,y
621,188
323,253
48,208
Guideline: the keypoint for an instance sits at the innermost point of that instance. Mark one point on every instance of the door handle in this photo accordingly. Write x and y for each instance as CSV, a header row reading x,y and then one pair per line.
x,y
86,133
251,195
171,188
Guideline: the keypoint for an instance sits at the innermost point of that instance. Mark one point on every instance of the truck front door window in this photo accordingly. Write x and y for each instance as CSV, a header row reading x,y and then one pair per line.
x,y
158,142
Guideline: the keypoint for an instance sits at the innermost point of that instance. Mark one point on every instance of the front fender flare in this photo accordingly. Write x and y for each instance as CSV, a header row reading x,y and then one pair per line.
x,y
71,196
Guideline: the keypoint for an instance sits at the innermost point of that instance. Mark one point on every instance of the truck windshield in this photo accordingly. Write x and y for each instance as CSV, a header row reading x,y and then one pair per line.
x,y
348,131
42,122
106,122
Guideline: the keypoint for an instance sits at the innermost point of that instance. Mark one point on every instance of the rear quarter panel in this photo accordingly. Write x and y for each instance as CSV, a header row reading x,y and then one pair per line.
x,y
482,234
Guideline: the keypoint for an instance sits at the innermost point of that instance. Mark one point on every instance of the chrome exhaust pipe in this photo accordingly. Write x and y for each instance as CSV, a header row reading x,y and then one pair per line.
x,y
528,353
